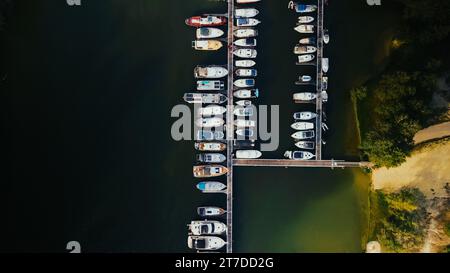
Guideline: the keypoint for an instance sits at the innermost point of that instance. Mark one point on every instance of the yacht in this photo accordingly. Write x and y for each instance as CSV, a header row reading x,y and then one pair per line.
x,y
308,41
206,21
308,145
246,73
299,49
305,58
211,186
208,33
211,158
210,146
246,13
304,115
245,132
325,64
243,111
246,53
244,83
205,171
245,42
207,45
303,134
210,135
209,122
305,28
298,155
205,242
210,211
211,72
304,96
243,102
242,123
246,93
300,125
207,227
211,110
305,19
245,63
248,154
245,33
247,22
205,98
210,85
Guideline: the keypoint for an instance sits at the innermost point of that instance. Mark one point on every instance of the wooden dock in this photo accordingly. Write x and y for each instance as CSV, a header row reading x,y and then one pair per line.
x,y
319,102
287,163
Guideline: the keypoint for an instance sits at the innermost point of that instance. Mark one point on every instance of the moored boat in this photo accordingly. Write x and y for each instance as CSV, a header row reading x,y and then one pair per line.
x,y
209,122
247,22
211,158
246,12
304,96
303,134
245,42
244,123
211,72
246,53
210,85
205,171
248,154
210,135
210,146
244,83
308,41
210,211
243,111
305,28
207,227
308,145
207,45
305,58
302,8
206,21
245,33
324,83
325,64
245,63
246,93
211,110
304,115
305,78
326,36
305,19
211,186
205,242
302,125
208,33
205,98
246,1
243,102
299,49
246,72
298,155
245,132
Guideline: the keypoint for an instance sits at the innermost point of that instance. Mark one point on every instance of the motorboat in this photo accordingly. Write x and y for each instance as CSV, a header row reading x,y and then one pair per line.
x,y
246,13
304,115
210,211
302,125
246,93
242,123
304,96
211,158
243,111
205,171
308,41
246,1
210,135
305,58
207,227
305,19
245,33
207,45
305,78
211,186
210,85
299,49
324,96
305,28
210,146
245,132
244,83
307,145
324,83
326,36
302,8
243,144
325,64
246,53
245,63
245,42
246,72
303,134
208,33
206,21
211,72
205,242
209,122
298,155
211,110
247,22
243,102
205,98
248,154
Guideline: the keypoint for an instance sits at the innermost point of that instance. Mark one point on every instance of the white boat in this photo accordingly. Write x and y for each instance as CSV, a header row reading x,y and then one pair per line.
x,y
305,58
305,19
244,83
308,145
299,49
298,155
207,44
245,33
210,135
246,73
303,134
211,158
243,102
207,171
246,1
205,98
208,33
246,53
210,146
305,78
246,93
245,132
302,125
325,64
243,111
304,96
307,41
210,72
207,227
326,37
248,154
245,63
205,242
210,85
305,28
247,22
245,123
304,115
210,211
246,13
211,186
211,110
324,96
209,122
245,42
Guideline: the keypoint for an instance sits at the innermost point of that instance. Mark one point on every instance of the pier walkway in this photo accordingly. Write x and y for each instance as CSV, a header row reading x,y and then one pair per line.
x,y
319,78
299,163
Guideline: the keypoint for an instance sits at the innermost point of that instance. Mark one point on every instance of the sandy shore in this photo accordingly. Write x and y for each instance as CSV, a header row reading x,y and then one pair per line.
x,y
433,132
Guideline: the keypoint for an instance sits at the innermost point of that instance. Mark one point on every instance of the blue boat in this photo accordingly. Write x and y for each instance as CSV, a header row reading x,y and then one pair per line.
x,y
211,186
301,8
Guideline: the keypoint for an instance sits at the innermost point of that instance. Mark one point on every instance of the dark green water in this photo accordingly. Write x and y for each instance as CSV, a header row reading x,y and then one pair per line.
x,y
90,90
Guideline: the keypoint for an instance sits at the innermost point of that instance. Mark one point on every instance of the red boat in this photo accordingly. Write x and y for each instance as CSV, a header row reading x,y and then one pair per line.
x,y
206,21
